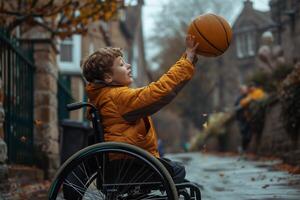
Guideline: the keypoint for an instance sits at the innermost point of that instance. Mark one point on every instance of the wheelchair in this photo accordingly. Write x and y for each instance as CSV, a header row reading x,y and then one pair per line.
x,y
115,171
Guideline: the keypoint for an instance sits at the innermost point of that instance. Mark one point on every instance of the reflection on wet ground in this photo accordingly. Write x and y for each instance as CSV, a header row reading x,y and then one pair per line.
x,y
232,178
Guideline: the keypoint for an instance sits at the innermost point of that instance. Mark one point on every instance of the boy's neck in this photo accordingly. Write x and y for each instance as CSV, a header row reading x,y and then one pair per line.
x,y
107,84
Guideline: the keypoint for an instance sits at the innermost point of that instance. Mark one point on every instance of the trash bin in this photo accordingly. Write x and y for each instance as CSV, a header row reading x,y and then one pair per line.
x,y
74,136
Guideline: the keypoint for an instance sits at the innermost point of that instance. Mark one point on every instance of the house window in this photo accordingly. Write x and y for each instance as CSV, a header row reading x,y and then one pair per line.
x,y
70,54
250,44
245,45
239,47
66,50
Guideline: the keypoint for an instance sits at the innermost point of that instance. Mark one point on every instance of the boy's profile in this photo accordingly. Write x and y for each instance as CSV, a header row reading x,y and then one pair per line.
x,y
126,111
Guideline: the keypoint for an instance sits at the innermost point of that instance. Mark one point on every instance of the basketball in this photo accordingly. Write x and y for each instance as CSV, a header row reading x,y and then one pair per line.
x,y
212,32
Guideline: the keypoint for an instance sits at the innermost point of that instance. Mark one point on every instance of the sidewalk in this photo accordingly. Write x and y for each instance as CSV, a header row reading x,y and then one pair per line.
x,y
283,166
226,177
36,191
24,183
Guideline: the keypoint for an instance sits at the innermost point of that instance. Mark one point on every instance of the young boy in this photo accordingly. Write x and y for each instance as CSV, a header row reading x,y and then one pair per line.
x,y
125,111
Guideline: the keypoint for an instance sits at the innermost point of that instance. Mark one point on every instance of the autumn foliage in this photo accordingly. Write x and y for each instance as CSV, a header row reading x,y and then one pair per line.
x,y
60,17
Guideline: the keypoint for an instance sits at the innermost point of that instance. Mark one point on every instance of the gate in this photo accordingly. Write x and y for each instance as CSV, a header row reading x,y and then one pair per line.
x,y
17,75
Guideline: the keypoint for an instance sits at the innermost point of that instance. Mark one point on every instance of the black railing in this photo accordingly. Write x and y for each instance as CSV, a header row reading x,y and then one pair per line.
x,y
17,75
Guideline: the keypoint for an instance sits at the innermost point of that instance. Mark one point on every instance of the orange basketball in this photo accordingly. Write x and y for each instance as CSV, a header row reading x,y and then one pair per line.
x,y
212,32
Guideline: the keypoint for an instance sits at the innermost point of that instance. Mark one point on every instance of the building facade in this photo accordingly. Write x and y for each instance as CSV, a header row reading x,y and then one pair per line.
x,y
240,60
57,68
126,33
286,16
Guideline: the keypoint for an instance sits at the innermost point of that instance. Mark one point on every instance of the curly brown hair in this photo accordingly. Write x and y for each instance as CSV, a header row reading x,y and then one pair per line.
x,y
99,63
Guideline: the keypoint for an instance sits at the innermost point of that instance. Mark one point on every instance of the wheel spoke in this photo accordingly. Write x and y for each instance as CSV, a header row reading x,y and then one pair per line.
x,y
130,174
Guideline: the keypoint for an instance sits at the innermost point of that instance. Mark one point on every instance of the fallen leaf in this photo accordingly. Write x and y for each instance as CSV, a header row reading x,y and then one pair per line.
x,y
265,186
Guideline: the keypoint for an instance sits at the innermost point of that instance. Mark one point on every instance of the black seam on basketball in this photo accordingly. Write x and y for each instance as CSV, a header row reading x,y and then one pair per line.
x,y
223,28
206,52
206,39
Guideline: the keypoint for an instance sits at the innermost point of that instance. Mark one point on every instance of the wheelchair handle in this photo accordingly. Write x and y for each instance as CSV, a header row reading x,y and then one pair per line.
x,y
78,105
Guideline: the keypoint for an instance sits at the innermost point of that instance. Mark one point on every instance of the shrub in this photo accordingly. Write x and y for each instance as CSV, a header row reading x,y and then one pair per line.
x,y
289,96
270,81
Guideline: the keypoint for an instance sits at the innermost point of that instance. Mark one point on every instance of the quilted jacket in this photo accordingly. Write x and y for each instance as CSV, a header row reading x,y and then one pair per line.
x,y
126,112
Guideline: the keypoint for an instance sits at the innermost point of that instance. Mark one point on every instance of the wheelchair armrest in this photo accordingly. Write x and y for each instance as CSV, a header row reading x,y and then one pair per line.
x,y
78,105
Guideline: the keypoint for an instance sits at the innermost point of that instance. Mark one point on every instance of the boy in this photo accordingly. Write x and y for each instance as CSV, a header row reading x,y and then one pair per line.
x,y
254,93
125,112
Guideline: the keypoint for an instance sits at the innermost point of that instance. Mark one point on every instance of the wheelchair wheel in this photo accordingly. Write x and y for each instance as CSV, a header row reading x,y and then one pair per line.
x,y
112,171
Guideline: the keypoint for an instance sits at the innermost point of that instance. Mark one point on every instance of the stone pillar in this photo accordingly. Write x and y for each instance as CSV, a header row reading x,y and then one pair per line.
x,y
46,133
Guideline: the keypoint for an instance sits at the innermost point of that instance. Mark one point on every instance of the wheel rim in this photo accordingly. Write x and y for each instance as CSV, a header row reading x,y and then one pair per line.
x,y
111,172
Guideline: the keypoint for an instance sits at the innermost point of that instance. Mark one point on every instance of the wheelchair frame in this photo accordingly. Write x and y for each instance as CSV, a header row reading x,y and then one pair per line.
x,y
187,190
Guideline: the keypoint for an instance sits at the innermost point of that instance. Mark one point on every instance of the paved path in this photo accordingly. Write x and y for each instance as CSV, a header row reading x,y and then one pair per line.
x,y
231,178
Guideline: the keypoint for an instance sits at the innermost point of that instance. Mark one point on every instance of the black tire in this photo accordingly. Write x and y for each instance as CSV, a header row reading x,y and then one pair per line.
x,y
88,172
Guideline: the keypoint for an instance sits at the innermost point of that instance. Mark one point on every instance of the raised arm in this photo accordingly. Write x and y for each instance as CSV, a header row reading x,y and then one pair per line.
x,y
141,102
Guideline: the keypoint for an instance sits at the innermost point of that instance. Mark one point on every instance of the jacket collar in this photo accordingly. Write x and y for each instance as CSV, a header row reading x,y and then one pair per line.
x,y
104,84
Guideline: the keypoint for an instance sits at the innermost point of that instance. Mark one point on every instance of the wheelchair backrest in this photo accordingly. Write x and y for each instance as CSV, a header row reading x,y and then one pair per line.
x,y
95,117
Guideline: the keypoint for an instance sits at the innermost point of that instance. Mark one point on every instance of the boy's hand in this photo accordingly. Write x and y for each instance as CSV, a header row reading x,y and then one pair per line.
x,y
191,46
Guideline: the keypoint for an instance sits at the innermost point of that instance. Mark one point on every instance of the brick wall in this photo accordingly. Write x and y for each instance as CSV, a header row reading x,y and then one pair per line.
x,y
45,106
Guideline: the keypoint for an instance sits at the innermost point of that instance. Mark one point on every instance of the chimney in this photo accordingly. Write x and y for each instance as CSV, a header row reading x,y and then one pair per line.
x,y
248,4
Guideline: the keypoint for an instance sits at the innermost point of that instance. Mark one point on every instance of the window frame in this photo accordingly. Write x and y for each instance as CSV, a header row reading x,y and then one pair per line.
x,y
74,65
246,43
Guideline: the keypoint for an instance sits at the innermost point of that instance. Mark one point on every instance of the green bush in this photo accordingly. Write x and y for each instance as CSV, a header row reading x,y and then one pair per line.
x,y
270,81
289,96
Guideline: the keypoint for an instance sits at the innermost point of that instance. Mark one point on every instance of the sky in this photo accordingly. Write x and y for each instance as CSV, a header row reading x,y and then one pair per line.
x,y
152,7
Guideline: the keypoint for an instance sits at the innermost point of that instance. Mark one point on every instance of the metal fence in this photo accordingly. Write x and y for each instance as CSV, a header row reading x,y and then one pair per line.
x,y
17,75
64,96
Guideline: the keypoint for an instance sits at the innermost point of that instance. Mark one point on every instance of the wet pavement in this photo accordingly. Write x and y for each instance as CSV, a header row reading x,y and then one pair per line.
x,y
232,178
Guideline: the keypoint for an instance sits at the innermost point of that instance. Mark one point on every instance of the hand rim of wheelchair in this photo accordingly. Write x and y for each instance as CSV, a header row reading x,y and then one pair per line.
x,y
77,158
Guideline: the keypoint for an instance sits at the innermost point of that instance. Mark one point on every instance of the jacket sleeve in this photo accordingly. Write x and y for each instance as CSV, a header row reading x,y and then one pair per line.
x,y
137,103
245,101
257,95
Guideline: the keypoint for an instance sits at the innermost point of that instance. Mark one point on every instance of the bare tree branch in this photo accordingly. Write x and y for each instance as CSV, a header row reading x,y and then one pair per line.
x,y
43,25
58,17
105,35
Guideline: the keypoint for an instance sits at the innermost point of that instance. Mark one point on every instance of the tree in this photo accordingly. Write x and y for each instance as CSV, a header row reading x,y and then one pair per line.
x,y
195,101
60,17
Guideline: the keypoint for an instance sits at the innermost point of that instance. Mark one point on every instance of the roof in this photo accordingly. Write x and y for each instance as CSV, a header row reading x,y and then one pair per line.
x,y
252,17
265,17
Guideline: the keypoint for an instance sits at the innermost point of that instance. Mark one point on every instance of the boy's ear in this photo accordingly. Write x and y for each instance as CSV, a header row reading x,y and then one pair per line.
x,y
107,78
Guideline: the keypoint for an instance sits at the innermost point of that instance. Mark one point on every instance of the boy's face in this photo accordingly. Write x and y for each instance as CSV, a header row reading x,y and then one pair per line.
x,y
120,72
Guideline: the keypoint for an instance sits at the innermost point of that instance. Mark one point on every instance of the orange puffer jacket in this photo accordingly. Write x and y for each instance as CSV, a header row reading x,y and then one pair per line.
x,y
255,95
125,112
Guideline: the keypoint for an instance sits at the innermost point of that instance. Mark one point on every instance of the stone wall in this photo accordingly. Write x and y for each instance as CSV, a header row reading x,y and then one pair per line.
x,y
275,140
46,134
